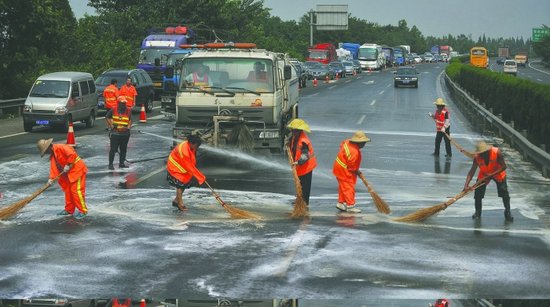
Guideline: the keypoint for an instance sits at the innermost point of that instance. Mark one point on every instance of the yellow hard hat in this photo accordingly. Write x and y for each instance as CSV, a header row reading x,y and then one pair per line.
x,y
299,124
440,102
359,137
43,145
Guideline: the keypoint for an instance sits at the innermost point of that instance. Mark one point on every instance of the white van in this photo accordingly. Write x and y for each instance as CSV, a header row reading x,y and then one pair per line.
x,y
58,98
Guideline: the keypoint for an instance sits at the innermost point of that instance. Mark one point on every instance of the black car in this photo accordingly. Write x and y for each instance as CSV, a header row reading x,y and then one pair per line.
x,y
405,76
502,59
140,79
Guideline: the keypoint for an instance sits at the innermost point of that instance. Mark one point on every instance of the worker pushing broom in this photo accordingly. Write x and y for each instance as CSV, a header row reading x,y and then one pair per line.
x,y
302,160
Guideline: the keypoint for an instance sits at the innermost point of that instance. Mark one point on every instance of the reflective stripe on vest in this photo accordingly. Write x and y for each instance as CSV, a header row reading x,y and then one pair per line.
x,y
440,119
121,119
173,161
348,155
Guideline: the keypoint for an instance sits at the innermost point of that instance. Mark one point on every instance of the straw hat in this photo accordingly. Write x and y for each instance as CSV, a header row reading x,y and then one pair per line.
x,y
481,146
43,145
299,124
359,137
440,102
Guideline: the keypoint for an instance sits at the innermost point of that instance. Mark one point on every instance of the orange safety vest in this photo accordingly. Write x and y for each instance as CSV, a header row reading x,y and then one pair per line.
x,y
199,82
128,92
347,162
121,120
440,118
311,163
110,94
181,164
492,166
64,154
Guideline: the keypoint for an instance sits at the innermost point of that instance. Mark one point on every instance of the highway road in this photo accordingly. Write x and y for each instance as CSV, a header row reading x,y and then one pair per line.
x,y
134,243
534,71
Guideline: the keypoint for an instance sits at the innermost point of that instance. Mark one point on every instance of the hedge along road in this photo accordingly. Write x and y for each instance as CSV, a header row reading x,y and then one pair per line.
x,y
135,243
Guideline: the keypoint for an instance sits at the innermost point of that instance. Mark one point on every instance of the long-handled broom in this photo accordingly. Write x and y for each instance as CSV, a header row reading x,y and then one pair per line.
x,y
380,204
300,205
425,213
234,212
460,148
12,209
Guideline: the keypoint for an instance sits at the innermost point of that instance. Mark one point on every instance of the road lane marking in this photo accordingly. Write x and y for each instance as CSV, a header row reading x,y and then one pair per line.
x,y
15,134
381,92
373,102
295,242
360,121
332,87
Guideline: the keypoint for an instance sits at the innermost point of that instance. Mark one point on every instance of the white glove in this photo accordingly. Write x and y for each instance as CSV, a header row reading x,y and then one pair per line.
x,y
430,113
66,168
50,181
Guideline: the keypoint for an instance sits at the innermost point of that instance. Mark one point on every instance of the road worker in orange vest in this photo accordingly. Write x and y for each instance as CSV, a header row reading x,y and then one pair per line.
x,y
119,122
346,169
63,158
128,91
110,95
442,120
199,78
492,166
181,167
302,154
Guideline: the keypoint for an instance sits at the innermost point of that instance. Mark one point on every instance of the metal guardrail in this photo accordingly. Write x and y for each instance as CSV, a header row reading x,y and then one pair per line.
x,y
484,117
12,103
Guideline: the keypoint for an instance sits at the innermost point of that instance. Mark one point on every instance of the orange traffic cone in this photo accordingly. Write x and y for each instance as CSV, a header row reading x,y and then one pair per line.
x,y
337,77
315,82
142,303
142,118
70,135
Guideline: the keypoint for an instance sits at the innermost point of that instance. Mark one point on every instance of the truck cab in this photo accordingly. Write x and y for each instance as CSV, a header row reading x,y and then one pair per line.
x,y
234,95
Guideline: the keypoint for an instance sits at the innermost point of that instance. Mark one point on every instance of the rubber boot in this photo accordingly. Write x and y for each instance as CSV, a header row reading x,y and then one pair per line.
x,y
507,214
477,215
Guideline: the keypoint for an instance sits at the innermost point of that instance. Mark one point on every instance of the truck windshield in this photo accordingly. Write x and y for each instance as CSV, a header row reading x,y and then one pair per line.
x,y
228,74
50,88
368,54
318,54
148,56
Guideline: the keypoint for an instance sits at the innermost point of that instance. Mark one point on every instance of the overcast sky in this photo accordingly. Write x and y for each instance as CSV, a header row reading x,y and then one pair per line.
x,y
494,18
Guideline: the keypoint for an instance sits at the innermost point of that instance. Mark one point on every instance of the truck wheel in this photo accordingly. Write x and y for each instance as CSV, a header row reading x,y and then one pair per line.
x,y
27,126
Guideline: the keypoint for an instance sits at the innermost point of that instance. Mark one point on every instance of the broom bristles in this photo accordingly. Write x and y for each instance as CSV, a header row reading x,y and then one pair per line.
x,y
422,214
12,209
237,213
380,204
300,207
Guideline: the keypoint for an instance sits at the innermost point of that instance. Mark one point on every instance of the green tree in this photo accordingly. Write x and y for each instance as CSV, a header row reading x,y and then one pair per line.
x,y
36,37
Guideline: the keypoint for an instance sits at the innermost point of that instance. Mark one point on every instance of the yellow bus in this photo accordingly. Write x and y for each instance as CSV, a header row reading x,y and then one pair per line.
x,y
479,57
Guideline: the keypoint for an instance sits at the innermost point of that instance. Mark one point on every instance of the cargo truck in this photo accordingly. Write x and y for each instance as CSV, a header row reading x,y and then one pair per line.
x,y
324,53
245,99
521,58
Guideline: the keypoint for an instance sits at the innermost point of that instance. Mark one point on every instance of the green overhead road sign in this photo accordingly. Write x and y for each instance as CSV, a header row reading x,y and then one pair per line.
x,y
539,34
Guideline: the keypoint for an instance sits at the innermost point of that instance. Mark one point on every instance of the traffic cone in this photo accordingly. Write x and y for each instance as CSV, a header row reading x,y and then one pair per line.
x,y
142,303
70,135
337,77
315,82
142,117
